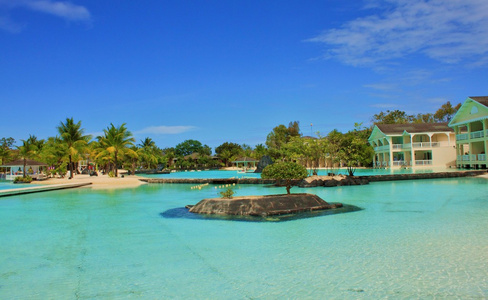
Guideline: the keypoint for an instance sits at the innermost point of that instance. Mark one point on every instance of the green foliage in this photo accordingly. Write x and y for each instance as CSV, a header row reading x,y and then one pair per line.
x,y
149,155
111,174
228,151
188,147
227,194
287,171
446,112
20,179
114,143
392,117
260,150
279,137
72,136
6,149
308,151
443,114
61,170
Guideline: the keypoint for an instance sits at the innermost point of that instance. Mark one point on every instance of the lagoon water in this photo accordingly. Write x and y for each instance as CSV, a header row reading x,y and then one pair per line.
x,y
322,172
412,239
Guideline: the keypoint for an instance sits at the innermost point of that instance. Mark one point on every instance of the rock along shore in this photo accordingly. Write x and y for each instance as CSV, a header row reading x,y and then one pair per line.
x,y
327,181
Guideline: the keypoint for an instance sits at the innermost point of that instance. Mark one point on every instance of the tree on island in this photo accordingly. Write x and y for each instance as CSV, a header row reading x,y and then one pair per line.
x,y
290,172
72,135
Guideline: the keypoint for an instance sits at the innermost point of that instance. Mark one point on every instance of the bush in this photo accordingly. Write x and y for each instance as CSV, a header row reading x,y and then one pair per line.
x,y
111,174
287,171
61,170
228,194
20,179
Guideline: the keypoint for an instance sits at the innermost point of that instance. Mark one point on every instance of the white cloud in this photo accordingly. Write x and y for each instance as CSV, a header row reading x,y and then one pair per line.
x,y
384,105
449,31
380,86
9,26
165,130
63,9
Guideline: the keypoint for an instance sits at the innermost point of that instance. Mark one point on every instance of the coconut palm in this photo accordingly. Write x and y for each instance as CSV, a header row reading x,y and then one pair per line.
x,y
72,135
116,142
147,153
27,150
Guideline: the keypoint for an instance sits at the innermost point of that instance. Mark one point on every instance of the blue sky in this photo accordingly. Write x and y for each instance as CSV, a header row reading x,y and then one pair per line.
x,y
221,71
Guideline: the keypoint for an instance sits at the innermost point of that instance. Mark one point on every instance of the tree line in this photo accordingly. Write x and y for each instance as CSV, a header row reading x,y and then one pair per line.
x,y
117,147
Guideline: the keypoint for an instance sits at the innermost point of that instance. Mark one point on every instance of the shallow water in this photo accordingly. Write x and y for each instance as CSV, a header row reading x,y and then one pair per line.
x,y
412,239
7,184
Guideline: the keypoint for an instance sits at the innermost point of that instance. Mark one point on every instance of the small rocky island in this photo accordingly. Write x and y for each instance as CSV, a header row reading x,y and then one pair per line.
x,y
262,206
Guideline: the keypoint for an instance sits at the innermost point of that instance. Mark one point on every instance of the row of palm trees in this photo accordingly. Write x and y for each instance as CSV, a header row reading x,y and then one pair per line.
x,y
72,145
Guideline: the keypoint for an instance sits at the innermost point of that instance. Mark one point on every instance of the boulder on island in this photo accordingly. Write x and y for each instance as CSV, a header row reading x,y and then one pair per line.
x,y
262,205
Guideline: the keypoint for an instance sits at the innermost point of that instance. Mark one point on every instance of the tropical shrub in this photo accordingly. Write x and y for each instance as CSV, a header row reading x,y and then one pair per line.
x,y
290,172
61,170
227,194
20,179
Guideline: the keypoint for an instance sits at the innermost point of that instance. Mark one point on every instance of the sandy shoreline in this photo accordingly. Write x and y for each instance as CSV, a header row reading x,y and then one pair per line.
x,y
99,182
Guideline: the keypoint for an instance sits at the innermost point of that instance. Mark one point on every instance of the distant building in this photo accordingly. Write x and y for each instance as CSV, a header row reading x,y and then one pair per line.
x,y
413,145
470,124
16,168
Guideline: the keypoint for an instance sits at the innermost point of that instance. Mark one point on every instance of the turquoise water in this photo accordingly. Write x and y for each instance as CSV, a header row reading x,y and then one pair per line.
x,y
5,185
412,239
230,174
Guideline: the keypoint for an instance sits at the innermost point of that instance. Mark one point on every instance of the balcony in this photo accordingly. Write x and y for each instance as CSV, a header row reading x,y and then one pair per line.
x,y
462,136
430,144
472,157
477,134
401,163
423,162
400,146
382,148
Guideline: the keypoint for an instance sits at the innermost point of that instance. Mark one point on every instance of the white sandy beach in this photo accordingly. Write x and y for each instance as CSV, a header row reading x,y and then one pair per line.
x,y
100,181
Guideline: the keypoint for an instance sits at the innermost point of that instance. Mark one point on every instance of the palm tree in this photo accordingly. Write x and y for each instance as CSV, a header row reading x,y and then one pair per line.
x,y
147,153
147,143
116,141
27,150
72,135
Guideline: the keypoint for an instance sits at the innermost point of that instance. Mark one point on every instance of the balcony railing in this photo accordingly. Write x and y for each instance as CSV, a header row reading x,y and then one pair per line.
x,y
382,148
462,136
399,163
423,162
430,144
472,157
477,134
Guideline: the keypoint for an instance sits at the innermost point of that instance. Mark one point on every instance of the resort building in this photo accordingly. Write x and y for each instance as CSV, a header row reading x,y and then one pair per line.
x,y
16,168
470,124
413,145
